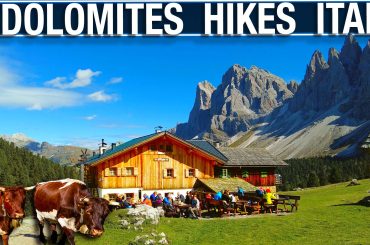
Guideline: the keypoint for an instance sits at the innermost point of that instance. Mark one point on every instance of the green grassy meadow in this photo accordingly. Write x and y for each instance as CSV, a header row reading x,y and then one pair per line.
x,y
326,215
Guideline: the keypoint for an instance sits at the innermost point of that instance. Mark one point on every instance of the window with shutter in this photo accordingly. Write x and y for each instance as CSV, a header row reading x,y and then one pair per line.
x,y
119,171
224,173
186,173
113,172
191,172
106,172
129,171
136,171
169,173
245,174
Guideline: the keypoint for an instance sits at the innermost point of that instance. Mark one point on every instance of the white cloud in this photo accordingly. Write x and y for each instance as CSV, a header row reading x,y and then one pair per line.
x,y
82,78
14,94
101,96
37,98
115,80
90,118
7,77
56,82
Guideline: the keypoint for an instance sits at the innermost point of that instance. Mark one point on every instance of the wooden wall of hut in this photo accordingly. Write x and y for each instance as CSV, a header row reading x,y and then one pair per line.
x,y
264,176
149,165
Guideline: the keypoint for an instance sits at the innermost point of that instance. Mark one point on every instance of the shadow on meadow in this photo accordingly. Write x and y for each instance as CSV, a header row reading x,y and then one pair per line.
x,y
363,202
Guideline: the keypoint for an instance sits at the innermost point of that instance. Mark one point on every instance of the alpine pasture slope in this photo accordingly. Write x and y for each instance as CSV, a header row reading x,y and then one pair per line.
x,y
326,215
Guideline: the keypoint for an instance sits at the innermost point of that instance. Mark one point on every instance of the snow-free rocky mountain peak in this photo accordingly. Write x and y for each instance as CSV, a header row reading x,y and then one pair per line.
x,y
327,113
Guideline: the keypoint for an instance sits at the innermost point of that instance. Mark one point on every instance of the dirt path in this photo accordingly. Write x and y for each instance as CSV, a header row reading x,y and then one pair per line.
x,y
27,233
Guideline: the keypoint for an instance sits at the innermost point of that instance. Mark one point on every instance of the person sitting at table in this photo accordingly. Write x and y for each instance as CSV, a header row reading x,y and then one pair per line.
x,y
180,197
146,200
127,203
225,199
120,198
188,198
153,196
167,202
208,196
232,200
194,210
268,196
158,201
217,196
259,192
240,192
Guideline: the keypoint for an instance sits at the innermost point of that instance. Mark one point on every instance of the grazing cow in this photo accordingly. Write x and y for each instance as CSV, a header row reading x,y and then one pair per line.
x,y
12,201
68,203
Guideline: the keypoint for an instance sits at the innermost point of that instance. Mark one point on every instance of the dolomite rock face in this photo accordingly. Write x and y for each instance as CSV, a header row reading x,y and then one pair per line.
x,y
243,96
361,97
293,86
327,113
200,114
350,56
324,85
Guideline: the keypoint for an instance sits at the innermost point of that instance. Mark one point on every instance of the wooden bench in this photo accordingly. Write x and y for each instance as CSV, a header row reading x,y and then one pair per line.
x,y
292,201
269,208
211,203
255,206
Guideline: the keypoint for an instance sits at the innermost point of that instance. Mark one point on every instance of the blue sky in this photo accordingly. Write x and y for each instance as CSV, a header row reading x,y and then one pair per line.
x,y
78,90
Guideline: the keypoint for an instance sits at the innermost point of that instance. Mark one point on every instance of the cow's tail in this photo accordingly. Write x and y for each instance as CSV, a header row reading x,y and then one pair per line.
x,y
29,188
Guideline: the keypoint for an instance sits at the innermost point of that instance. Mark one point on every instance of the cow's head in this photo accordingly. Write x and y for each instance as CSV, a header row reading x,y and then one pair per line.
x,y
12,201
95,211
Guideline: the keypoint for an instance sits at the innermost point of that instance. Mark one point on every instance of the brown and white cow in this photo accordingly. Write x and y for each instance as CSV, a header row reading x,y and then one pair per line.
x,y
12,201
68,203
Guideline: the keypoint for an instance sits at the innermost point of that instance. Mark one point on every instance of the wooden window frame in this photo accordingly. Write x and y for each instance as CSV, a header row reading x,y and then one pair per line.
x,y
127,171
245,173
166,171
224,173
191,173
114,171
135,172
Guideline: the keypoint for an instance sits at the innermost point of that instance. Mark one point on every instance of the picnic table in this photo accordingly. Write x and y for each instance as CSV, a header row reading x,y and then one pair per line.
x,y
242,205
182,208
281,201
292,201
248,206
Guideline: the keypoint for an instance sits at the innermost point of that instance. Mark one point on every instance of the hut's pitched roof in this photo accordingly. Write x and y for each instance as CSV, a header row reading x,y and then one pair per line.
x,y
219,184
205,147
250,157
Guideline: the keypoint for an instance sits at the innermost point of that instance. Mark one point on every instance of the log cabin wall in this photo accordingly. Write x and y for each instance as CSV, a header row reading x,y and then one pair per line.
x,y
160,164
263,176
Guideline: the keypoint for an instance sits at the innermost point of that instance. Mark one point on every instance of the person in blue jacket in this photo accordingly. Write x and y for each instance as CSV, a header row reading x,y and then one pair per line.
x,y
218,196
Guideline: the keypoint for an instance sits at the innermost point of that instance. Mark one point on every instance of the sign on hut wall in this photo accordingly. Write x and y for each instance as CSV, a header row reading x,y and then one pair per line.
x,y
162,159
